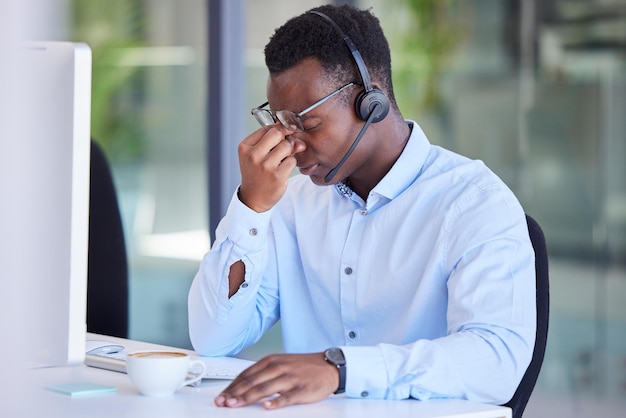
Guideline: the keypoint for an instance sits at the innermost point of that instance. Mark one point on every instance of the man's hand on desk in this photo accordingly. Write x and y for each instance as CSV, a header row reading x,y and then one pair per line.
x,y
280,380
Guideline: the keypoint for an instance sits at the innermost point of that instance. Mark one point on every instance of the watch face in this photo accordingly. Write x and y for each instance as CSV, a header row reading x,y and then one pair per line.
x,y
335,356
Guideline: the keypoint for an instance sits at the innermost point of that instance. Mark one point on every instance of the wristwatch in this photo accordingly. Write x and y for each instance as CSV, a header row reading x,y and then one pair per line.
x,y
335,357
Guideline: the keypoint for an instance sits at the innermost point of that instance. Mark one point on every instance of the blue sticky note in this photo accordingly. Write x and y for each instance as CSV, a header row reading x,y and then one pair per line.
x,y
81,388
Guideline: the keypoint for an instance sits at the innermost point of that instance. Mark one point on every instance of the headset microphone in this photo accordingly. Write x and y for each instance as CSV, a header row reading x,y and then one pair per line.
x,y
356,141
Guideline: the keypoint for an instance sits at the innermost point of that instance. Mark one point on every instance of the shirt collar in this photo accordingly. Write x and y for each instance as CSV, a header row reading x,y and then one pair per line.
x,y
405,170
408,165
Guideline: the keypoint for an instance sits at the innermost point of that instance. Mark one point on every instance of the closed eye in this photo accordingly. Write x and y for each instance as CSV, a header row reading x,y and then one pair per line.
x,y
311,123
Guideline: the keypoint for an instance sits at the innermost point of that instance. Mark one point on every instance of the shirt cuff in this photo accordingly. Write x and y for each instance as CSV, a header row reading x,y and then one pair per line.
x,y
366,372
243,226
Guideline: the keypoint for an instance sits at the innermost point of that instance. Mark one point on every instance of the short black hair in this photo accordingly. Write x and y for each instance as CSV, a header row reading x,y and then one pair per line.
x,y
311,36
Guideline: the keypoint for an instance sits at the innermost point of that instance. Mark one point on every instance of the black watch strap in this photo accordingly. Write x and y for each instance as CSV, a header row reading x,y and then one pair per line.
x,y
335,357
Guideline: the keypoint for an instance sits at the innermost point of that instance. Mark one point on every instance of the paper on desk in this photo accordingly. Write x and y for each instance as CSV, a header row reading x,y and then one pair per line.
x,y
223,367
81,388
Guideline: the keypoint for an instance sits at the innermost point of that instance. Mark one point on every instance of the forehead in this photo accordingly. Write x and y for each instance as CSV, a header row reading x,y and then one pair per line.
x,y
297,87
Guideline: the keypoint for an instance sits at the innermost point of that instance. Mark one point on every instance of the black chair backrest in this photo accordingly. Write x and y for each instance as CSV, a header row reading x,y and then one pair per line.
x,y
107,281
522,394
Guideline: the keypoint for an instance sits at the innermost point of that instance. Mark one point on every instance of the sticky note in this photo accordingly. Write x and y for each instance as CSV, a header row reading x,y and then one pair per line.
x,y
81,388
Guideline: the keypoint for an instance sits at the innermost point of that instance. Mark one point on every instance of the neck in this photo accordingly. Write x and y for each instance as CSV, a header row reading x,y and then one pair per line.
x,y
391,136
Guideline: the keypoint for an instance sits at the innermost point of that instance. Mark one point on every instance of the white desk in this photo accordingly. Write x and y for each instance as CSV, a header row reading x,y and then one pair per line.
x,y
198,401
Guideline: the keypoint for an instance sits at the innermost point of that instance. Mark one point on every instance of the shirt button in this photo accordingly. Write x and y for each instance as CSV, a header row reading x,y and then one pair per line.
x,y
363,212
253,232
244,285
352,335
348,270
365,394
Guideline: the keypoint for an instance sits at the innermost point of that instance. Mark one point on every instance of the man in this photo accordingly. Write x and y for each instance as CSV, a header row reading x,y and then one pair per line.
x,y
398,269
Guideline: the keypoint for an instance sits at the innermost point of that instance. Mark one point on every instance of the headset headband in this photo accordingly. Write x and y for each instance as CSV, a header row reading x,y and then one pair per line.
x,y
367,83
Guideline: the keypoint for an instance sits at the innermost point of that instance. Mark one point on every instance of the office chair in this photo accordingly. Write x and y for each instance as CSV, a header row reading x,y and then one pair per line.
x,y
107,272
522,394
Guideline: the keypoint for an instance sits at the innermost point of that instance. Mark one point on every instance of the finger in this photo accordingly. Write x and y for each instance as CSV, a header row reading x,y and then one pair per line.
x,y
239,385
251,395
298,394
281,400
271,149
278,154
258,382
275,144
255,137
256,374
274,134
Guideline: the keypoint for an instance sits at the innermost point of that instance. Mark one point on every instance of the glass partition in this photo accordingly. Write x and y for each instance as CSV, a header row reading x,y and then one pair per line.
x,y
148,113
537,89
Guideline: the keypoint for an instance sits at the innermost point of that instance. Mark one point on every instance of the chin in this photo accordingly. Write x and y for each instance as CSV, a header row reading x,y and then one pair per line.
x,y
319,180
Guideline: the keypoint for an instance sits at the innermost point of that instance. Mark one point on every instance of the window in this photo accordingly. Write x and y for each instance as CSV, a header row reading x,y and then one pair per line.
x,y
148,113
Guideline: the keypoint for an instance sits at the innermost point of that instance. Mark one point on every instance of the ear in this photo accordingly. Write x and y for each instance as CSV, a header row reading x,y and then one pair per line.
x,y
378,86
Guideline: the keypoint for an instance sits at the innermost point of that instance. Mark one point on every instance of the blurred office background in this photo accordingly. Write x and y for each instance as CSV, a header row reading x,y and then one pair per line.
x,y
535,88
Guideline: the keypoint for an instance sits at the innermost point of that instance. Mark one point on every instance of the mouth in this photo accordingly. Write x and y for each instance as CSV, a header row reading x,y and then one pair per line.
x,y
308,170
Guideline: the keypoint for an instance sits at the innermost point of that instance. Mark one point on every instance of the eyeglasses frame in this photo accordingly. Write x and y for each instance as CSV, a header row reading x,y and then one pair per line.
x,y
298,115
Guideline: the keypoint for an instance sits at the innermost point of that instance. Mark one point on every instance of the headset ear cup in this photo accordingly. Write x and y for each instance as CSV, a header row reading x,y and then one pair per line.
x,y
366,101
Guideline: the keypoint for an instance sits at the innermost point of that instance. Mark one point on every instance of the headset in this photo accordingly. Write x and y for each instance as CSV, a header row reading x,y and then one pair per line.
x,y
371,99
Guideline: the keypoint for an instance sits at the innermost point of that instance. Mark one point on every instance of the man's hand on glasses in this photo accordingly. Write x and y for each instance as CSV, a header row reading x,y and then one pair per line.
x,y
266,161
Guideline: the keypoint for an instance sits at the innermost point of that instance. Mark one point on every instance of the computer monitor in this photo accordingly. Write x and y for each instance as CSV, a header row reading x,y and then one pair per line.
x,y
46,214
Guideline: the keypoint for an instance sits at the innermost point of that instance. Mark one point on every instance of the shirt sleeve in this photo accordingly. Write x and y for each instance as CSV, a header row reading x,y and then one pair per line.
x,y
491,320
218,325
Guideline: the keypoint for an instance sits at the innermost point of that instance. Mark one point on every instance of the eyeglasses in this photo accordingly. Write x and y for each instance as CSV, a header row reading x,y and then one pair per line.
x,y
290,120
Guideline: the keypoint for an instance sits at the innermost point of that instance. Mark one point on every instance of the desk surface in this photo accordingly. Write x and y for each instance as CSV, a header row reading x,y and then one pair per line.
x,y
198,401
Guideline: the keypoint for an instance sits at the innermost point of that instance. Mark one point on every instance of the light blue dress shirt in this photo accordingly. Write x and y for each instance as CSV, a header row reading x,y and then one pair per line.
x,y
428,286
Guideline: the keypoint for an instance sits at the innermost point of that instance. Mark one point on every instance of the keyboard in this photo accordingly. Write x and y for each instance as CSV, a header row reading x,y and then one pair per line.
x,y
226,368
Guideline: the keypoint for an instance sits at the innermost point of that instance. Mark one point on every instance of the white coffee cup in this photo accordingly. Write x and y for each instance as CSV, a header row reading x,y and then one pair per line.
x,y
162,373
